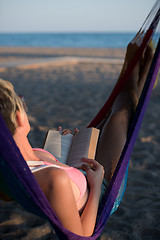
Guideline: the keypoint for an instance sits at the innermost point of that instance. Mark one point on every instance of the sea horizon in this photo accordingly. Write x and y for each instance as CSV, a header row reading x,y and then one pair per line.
x,y
67,39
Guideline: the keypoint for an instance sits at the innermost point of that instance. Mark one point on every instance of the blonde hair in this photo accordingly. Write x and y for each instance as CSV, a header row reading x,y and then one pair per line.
x,y
10,103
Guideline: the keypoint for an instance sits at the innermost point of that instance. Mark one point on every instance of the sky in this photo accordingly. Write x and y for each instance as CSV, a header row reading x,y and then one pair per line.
x,y
73,15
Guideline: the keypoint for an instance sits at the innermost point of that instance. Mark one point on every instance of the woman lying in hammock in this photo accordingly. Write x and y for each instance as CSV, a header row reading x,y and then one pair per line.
x,y
74,197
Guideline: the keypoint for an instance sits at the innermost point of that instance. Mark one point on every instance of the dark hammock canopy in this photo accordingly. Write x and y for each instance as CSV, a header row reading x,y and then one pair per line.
x,y
14,170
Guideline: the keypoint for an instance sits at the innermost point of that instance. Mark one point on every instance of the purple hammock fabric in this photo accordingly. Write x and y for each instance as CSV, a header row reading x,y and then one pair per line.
x,y
18,181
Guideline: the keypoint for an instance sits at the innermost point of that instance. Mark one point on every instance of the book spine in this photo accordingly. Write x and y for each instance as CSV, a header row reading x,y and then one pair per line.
x,y
93,144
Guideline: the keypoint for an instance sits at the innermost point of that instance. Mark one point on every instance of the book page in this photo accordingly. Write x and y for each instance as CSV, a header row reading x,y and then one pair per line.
x,y
79,147
58,145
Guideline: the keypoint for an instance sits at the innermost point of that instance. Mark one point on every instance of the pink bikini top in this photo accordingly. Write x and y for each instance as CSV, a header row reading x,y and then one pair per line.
x,y
76,177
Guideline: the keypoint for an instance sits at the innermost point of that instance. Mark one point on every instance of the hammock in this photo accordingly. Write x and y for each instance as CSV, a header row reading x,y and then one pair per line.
x,y
17,181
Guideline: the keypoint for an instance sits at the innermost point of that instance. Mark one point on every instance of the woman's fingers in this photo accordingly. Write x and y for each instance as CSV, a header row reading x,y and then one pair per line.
x,y
88,160
94,170
59,129
93,164
86,167
76,130
67,131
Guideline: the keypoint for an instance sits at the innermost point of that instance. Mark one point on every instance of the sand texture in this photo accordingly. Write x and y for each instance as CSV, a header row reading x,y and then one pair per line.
x,y
67,87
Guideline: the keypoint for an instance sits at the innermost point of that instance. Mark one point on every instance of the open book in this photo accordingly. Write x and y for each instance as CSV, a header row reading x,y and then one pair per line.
x,y
70,149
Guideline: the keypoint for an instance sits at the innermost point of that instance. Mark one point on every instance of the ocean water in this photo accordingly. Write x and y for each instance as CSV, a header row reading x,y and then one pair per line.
x,y
75,40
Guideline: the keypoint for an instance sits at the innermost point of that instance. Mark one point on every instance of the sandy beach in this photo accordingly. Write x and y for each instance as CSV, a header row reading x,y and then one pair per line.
x,y
66,87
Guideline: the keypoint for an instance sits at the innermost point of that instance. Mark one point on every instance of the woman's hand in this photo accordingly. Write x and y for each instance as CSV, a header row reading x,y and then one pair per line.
x,y
95,173
68,131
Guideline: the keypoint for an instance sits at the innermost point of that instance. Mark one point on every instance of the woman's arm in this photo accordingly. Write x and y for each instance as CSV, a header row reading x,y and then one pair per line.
x,y
58,190
95,175
65,206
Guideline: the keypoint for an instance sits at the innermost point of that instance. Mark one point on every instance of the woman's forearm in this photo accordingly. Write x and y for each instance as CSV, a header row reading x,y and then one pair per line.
x,y
95,174
89,215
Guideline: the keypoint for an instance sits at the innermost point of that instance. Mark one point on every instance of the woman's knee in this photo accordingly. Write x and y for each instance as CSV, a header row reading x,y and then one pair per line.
x,y
119,119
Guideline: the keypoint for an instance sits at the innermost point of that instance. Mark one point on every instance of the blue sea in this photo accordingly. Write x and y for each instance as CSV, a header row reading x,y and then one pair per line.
x,y
73,40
